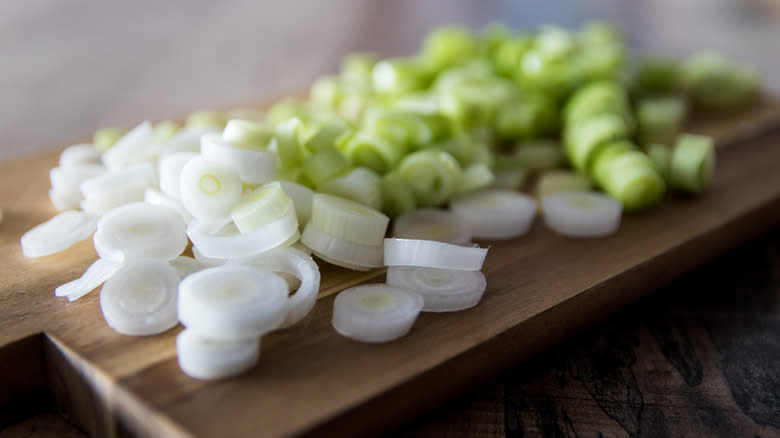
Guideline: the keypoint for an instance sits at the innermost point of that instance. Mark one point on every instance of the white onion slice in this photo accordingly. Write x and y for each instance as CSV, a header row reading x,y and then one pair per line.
x,y
65,190
228,243
292,262
156,197
206,359
432,224
232,302
104,250
107,200
348,220
581,214
138,174
140,298
495,214
208,189
186,140
341,252
130,149
209,262
96,274
58,233
64,201
185,266
141,230
302,199
79,154
170,172
432,254
254,166
375,312
444,290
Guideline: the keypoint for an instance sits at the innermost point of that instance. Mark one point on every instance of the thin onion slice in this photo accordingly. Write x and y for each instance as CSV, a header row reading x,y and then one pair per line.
x,y
67,180
582,214
232,302
206,359
58,233
139,174
107,200
141,230
432,254
341,252
348,220
79,154
140,298
495,214
208,189
444,290
432,224
156,197
187,140
375,312
96,274
130,149
209,262
185,266
254,166
301,197
292,262
170,172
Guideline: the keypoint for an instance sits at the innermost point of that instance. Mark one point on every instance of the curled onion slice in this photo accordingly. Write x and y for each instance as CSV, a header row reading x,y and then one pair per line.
x,y
208,189
229,243
432,224
206,359
232,302
432,254
581,214
96,274
495,214
444,290
141,230
375,312
140,298
254,166
58,233
341,252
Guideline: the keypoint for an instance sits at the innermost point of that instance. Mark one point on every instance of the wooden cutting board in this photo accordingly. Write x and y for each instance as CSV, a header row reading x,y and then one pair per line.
x,y
541,287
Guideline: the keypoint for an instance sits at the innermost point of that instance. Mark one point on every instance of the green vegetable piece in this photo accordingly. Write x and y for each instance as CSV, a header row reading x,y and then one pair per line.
x,y
583,140
397,196
660,119
287,137
434,176
211,120
629,176
475,177
715,84
447,46
163,131
373,152
540,155
604,97
324,165
493,36
556,78
359,184
554,181
692,163
326,92
509,179
602,62
105,138
247,134
661,156
531,116
286,109
398,76
657,75
328,134
609,151
356,68
509,55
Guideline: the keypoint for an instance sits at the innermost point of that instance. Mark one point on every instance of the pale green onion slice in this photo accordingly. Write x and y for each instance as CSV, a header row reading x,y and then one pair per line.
x,y
554,181
186,140
302,199
170,172
185,266
79,154
434,176
509,179
540,155
475,177
96,274
328,134
324,165
692,163
432,254
287,142
292,262
65,191
581,214
629,176
228,242
373,152
156,197
247,134
660,119
206,359
261,206
58,233
232,302
132,148
583,140
164,131
140,298
105,138
375,312
396,77
348,220
432,224
210,120
360,185
340,252
64,201
443,290
141,230
142,174
254,166
495,214
104,201
208,189
661,156
397,196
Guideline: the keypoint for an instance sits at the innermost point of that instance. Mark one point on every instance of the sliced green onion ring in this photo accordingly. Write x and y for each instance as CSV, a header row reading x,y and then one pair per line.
x,y
156,197
208,189
692,163
495,214
261,206
375,312
302,199
397,196
348,220
57,234
359,184
96,274
170,168
341,252
206,359
434,176
432,254
554,181
141,230
132,148
443,290
581,214
228,242
432,224
247,134
254,166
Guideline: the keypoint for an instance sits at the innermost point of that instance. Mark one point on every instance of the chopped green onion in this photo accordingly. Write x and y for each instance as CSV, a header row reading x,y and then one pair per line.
x,y
164,131
477,176
715,84
288,142
210,120
598,98
286,109
540,155
373,152
397,195
328,135
324,165
692,163
105,138
657,75
630,177
247,134
397,76
434,176
447,46
661,156
359,184
583,140
260,207
660,119
357,67
554,181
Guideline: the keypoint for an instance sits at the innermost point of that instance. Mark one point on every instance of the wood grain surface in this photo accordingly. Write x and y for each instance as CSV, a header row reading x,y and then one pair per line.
x,y
540,288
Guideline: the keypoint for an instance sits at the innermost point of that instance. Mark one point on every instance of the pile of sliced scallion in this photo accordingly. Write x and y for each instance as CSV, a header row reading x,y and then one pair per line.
x,y
461,124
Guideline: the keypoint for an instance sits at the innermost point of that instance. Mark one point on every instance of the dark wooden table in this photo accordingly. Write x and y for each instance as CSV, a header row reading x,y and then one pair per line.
x,y
699,358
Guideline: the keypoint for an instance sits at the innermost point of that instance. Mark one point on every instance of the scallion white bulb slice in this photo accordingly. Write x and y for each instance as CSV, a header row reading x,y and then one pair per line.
x,y
301,197
64,201
185,266
186,140
206,359
208,189
96,274
444,290
170,172
209,262
107,200
431,224
495,214
156,197
348,220
141,230
254,166
228,242
360,185
58,233
79,154
262,206
232,302
292,262
140,298
581,214
432,254
375,312
341,252
130,149
139,174
66,181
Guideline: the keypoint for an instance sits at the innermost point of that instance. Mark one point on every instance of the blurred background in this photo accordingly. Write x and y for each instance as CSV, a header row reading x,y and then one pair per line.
x,y
70,67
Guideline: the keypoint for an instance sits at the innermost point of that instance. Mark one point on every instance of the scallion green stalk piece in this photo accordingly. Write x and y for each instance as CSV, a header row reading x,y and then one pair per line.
x,y
557,180
692,163
328,134
324,165
105,138
475,177
540,155
661,156
660,119
397,195
447,46
658,75
356,68
716,84
210,120
583,139
163,131
286,109
247,134
398,76
629,176
359,184
434,176
287,136
373,152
